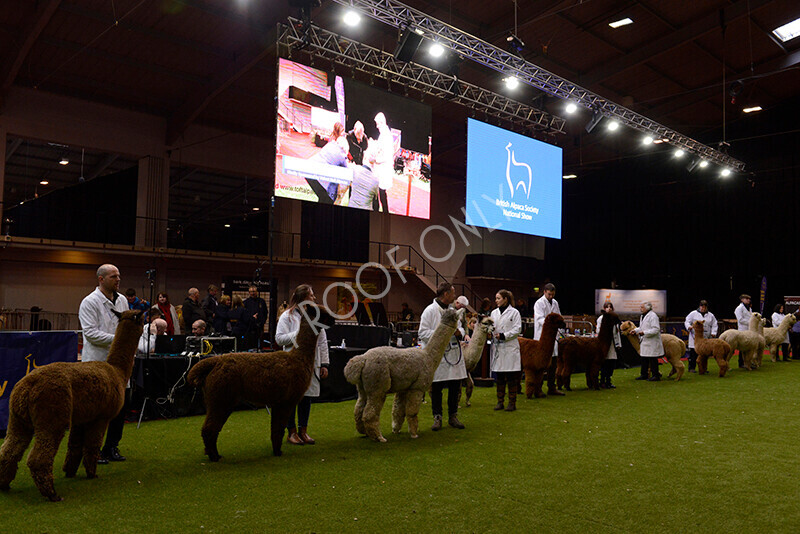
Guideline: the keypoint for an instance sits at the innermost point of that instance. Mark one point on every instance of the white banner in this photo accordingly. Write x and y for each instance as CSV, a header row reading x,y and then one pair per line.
x,y
628,301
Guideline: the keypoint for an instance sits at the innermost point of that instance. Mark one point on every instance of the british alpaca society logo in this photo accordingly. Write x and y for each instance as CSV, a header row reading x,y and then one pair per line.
x,y
521,170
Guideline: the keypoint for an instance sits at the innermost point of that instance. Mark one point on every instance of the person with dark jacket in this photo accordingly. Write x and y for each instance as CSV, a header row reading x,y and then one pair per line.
x,y
241,320
222,323
258,314
209,303
192,310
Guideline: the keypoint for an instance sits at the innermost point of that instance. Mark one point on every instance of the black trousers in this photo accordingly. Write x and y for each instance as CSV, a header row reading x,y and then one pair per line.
x,y
692,358
794,338
650,364
303,411
782,348
607,370
453,388
114,433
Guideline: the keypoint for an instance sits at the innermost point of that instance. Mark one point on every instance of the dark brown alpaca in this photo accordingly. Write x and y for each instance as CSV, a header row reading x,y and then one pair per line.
x,y
276,379
537,357
587,351
80,396
720,350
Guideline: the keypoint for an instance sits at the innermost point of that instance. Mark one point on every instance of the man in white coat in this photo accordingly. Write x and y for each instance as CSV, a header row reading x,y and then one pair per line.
x,y
651,348
743,312
451,370
99,323
709,329
543,307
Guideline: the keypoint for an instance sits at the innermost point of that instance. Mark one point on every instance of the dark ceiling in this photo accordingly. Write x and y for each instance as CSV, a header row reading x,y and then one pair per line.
x,y
212,62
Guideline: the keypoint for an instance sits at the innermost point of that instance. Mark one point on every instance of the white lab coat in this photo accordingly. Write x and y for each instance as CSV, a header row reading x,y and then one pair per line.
x,y
616,340
650,326
742,317
709,325
286,333
99,324
541,309
777,318
452,366
505,352
384,166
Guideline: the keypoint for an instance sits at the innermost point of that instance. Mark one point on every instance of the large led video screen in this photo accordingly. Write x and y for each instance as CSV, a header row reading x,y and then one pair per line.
x,y
513,181
346,143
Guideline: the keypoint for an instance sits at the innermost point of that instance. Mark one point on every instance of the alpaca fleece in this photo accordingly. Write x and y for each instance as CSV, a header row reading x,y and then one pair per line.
x,y
587,351
747,342
472,353
407,373
80,396
674,348
275,379
537,357
776,335
718,349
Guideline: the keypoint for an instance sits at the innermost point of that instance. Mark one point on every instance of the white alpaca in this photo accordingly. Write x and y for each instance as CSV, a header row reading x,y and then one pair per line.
x,y
777,335
748,342
408,373
473,351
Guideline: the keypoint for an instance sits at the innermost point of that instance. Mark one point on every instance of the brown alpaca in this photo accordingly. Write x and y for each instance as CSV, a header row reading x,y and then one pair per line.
x,y
408,373
674,348
80,396
710,348
537,357
472,353
587,351
275,379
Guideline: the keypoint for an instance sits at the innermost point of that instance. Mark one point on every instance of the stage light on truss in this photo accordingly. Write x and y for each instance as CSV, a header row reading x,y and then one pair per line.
x,y
752,109
436,50
227,225
703,164
43,182
596,118
511,82
725,173
571,108
647,140
612,125
64,160
569,176
679,153
515,44
351,18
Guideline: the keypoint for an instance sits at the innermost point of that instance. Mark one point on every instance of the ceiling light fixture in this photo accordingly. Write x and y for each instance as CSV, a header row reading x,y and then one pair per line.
x,y
511,82
64,161
725,172
256,209
569,176
419,32
703,164
622,22
751,109
571,108
227,226
351,18
647,140
679,153
612,125
788,31
436,50
44,182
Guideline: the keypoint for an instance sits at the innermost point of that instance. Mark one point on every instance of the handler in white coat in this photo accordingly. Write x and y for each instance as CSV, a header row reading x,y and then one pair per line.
x,y
543,307
743,312
777,318
452,369
651,348
285,335
710,327
506,361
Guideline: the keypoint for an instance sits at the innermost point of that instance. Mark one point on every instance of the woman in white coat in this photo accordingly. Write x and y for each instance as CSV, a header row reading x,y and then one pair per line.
x,y
610,363
777,317
651,348
506,361
285,335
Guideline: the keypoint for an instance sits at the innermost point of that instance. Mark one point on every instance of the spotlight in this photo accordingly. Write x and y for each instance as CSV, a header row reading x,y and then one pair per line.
x,y
44,182
647,140
596,117
515,44
679,153
351,18
571,108
227,226
569,176
256,209
436,50
703,164
64,161
511,82
725,172
612,125
752,109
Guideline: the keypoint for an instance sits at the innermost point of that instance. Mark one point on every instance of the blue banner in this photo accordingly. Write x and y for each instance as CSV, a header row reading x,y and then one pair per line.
x,y
22,352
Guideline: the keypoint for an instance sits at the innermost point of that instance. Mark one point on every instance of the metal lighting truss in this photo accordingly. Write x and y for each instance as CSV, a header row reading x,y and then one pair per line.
x,y
429,81
396,14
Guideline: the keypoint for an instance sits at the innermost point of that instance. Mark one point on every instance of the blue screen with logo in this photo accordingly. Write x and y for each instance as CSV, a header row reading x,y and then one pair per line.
x,y
513,181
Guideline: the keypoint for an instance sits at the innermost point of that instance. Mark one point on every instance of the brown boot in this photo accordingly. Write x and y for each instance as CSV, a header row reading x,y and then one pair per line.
x,y
303,434
293,438
512,397
501,394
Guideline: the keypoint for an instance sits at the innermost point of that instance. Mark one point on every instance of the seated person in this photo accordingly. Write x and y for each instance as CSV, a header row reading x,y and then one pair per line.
x,y
147,343
199,328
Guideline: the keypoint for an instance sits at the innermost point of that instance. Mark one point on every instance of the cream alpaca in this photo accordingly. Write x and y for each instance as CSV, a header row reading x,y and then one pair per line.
x,y
674,348
747,342
777,335
473,351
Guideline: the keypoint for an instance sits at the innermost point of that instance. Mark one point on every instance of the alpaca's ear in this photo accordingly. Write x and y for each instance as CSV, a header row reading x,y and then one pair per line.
x,y
115,312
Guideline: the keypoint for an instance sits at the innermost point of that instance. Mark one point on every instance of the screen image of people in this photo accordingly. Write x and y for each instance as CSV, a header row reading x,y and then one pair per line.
x,y
368,150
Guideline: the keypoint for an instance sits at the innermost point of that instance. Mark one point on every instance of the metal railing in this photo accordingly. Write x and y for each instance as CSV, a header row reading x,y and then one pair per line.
x,y
28,321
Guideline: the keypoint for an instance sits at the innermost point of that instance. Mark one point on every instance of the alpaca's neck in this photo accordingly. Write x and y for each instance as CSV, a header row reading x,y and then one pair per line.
x,y
698,332
438,343
475,348
784,327
606,333
549,333
634,339
306,340
123,347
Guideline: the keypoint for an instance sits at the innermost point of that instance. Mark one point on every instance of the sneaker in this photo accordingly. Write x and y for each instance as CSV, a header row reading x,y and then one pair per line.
x,y
455,423
437,423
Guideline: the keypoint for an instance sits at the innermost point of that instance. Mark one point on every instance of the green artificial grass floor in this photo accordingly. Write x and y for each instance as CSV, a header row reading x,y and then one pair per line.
x,y
701,455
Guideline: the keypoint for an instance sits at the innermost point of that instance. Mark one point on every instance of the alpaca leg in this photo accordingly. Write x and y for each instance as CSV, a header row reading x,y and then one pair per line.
x,y
74,451
470,387
723,365
372,417
92,440
278,420
677,365
40,462
702,364
215,420
413,403
17,440
359,411
538,380
399,411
